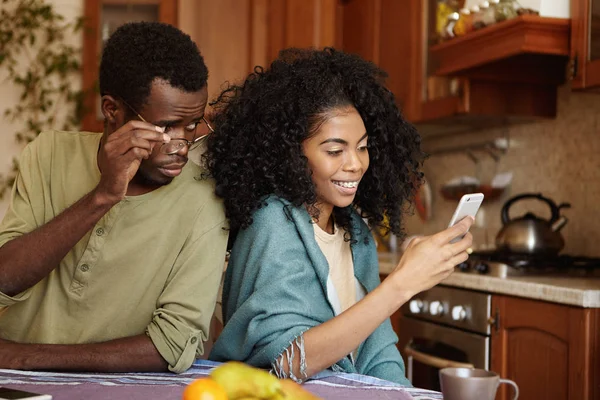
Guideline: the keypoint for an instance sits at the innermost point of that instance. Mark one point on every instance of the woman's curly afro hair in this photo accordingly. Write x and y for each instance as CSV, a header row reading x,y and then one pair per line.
x,y
260,126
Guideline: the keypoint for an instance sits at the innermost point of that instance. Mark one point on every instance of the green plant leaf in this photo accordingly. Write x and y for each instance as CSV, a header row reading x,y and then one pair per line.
x,y
37,60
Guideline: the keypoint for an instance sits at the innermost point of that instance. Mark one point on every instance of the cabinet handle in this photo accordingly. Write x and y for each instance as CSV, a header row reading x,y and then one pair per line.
x,y
494,320
427,359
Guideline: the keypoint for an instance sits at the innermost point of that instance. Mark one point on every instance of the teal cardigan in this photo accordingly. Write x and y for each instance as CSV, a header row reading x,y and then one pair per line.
x,y
276,288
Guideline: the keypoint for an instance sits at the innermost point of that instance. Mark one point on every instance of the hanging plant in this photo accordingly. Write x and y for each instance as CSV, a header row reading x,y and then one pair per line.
x,y
35,58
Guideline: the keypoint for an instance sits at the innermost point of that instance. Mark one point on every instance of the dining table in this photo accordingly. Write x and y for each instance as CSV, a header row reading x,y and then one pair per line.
x,y
170,386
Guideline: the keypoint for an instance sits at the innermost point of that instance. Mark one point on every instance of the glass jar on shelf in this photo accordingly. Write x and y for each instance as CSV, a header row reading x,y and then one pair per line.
x,y
489,15
464,24
506,9
444,10
448,32
478,21
474,11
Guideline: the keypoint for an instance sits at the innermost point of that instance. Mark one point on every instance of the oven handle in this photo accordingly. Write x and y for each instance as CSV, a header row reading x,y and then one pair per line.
x,y
432,361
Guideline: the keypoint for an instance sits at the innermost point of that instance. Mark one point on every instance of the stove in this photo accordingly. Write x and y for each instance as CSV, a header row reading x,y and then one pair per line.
x,y
503,264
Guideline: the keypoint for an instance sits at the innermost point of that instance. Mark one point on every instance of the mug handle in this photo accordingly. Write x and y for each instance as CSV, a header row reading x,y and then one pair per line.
x,y
514,385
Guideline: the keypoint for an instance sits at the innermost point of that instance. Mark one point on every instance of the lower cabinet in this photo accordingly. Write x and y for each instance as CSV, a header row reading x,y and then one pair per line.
x,y
551,351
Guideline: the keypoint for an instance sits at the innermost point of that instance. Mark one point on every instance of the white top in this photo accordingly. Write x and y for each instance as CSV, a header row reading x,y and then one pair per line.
x,y
343,289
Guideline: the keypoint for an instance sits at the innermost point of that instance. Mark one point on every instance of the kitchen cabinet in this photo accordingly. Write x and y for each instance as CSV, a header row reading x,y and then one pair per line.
x,y
585,44
102,17
279,24
551,351
506,73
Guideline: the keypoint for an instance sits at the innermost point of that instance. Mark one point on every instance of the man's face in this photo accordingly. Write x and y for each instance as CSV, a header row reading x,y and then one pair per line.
x,y
180,113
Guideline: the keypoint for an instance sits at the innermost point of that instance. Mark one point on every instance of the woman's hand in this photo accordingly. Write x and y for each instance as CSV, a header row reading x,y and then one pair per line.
x,y
430,259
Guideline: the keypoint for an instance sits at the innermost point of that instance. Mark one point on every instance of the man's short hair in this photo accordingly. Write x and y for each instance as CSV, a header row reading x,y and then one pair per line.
x,y
139,52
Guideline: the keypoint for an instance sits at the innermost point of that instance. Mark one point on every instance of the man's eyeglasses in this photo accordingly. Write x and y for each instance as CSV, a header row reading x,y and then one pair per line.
x,y
202,129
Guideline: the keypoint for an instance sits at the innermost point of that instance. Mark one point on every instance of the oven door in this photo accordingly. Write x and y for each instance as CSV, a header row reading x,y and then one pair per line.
x,y
428,347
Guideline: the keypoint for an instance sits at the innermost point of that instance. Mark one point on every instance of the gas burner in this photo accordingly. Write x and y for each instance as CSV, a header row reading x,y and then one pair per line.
x,y
502,264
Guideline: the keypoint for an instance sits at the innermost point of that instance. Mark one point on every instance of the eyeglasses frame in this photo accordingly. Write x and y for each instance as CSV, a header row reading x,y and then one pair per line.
x,y
188,143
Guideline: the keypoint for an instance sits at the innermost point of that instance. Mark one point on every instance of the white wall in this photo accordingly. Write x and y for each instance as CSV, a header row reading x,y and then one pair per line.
x,y
71,9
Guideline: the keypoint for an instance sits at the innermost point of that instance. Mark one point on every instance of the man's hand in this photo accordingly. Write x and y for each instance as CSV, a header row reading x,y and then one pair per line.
x,y
121,154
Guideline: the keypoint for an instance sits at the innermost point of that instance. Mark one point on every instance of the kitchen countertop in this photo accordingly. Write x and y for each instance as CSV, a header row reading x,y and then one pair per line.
x,y
575,291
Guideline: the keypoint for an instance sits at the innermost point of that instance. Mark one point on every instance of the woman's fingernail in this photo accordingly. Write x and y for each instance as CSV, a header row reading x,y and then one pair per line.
x,y
166,138
160,129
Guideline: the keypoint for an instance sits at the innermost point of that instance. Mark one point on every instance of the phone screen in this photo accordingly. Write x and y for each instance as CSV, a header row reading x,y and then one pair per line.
x,y
14,394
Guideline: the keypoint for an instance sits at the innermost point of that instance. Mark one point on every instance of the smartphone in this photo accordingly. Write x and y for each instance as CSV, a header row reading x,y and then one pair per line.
x,y
468,205
14,394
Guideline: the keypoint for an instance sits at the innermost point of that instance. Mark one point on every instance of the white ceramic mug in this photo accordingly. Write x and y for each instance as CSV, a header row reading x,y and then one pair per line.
x,y
472,384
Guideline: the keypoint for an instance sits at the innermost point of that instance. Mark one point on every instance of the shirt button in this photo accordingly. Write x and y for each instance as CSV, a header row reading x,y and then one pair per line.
x,y
99,231
194,340
84,267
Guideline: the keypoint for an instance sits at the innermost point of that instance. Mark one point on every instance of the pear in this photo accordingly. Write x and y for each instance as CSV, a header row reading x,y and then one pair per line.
x,y
241,380
294,391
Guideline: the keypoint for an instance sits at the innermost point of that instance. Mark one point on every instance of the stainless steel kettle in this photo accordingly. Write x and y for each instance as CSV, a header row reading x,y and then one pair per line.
x,y
530,234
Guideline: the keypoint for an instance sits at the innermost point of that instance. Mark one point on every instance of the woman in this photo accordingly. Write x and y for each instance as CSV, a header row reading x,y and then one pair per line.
x,y
303,154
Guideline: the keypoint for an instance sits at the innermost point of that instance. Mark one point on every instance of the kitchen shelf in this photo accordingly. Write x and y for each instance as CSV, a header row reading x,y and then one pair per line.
x,y
524,39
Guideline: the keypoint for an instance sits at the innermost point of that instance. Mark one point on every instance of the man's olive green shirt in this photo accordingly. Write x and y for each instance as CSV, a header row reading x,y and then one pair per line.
x,y
151,265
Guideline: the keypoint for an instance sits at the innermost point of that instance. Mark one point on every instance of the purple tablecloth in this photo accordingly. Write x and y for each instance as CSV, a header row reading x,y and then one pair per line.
x,y
163,386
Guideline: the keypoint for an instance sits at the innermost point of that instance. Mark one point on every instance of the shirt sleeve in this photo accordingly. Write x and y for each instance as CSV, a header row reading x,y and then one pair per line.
x,y
26,208
181,321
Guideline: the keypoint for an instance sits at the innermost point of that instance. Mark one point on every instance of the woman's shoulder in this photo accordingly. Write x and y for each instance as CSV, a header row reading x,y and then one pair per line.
x,y
275,209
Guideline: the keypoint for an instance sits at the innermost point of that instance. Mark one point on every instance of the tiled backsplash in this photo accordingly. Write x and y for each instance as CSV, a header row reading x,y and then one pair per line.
x,y
558,158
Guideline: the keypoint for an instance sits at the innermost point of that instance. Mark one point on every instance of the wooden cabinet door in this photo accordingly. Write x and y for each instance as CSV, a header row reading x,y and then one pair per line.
x,y
585,43
545,348
101,18
279,24
388,33
395,36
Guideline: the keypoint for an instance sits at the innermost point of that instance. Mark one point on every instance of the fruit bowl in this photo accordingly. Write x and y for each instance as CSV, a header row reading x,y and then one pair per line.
x,y
236,381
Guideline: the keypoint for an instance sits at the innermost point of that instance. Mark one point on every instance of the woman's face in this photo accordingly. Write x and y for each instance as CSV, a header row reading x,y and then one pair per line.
x,y
338,158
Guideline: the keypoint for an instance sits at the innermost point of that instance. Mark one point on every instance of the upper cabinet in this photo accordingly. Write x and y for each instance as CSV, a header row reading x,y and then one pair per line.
x,y
504,73
103,17
279,24
585,44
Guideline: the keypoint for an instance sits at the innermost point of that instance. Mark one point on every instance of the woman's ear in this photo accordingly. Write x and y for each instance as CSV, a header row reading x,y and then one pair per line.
x,y
111,110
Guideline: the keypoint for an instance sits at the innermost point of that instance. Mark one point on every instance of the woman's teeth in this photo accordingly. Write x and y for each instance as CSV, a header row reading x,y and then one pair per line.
x,y
346,184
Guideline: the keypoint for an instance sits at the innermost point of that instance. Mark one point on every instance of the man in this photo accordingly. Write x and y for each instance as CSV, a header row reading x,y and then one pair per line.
x,y
112,249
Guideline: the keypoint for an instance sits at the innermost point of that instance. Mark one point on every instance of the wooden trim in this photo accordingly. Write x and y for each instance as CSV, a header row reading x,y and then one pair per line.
x,y
339,25
525,34
592,74
327,17
580,354
376,30
580,27
129,2
90,65
499,345
442,108
277,32
595,350
167,12
258,33
417,11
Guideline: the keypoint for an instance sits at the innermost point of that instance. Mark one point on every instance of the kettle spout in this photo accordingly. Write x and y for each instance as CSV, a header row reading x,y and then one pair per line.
x,y
559,223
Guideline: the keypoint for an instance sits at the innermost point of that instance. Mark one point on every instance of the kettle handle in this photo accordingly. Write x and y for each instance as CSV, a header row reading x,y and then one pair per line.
x,y
553,208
